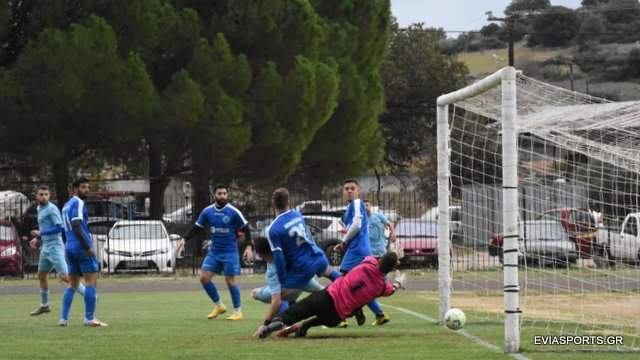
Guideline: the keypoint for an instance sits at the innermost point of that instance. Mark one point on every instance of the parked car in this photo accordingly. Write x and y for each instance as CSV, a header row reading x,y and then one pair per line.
x,y
622,245
581,226
417,241
327,230
10,250
455,220
135,245
180,216
541,242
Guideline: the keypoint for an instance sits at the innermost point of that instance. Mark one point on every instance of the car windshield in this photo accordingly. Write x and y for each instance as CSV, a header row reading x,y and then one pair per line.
x,y
318,222
6,233
137,231
547,230
416,227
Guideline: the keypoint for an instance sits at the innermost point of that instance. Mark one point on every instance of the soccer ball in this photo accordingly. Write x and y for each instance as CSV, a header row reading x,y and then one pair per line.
x,y
454,319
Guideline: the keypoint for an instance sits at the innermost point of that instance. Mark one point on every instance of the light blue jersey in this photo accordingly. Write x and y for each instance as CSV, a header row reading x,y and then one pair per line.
x,y
74,209
359,246
271,276
222,224
377,222
50,225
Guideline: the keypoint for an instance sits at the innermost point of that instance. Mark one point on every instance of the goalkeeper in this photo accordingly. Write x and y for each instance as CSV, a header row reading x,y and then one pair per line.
x,y
344,296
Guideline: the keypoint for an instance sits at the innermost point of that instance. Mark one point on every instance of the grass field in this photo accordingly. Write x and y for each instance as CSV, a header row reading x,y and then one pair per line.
x,y
483,62
172,325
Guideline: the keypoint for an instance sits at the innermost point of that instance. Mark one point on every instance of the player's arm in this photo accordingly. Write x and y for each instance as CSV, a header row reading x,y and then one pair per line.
x,y
278,256
276,300
56,229
76,226
196,228
354,229
392,231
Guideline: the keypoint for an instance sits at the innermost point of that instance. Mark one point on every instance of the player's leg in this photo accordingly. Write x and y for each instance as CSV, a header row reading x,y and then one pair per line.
x,y
262,294
67,297
89,267
44,266
381,317
57,258
209,266
299,311
231,270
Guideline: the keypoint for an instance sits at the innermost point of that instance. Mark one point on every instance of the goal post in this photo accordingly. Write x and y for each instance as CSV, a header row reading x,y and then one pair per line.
x,y
506,78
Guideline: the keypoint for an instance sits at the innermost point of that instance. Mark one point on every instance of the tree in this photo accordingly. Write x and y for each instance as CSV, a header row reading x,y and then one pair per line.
x,y
591,27
490,30
557,26
76,93
526,6
415,73
350,142
621,11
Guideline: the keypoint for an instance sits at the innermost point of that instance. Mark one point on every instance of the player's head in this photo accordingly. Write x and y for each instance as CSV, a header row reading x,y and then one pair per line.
x,y
80,187
280,199
263,248
367,205
43,194
350,189
221,194
388,262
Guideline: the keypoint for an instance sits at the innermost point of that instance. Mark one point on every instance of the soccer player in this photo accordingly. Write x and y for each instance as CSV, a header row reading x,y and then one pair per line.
x,y
222,220
377,225
80,255
49,238
357,243
296,256
271,293
340,300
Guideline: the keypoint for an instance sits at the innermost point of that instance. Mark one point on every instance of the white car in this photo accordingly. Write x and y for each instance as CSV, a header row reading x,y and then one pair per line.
x,y
180,216
139,245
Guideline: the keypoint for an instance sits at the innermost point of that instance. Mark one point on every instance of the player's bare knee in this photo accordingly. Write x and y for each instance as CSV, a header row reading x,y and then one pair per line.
x,y
230,280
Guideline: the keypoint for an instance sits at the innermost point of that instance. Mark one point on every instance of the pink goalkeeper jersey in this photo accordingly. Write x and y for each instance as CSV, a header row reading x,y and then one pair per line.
x,y
358,287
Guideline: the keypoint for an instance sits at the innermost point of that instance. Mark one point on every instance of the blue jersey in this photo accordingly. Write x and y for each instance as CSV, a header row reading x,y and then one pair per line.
x,y
49,219
222,224
289,234
74,209
377,222
359,245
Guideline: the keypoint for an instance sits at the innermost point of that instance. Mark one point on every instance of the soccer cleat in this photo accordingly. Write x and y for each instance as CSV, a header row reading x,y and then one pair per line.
x,y
63,322
289,330
94,323
381,320
41,310
343,324
360,318
237,315
217,310
273,326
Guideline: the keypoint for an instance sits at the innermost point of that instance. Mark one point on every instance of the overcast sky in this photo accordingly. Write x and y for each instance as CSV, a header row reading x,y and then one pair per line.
x,y
454,14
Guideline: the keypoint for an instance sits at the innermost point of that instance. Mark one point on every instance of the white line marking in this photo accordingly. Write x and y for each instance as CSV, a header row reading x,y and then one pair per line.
x,y
460,332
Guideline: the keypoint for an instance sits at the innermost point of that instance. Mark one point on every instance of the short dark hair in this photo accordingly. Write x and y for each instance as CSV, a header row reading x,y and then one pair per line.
x,y
366,201
220,186
280,198
351,181
81,180
43,188
388,262
261,246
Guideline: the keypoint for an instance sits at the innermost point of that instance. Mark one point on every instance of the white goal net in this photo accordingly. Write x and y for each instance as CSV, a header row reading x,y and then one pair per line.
x,y
545,183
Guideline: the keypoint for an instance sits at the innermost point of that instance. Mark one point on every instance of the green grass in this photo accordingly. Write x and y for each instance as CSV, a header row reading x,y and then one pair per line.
x,y
172,325
483,62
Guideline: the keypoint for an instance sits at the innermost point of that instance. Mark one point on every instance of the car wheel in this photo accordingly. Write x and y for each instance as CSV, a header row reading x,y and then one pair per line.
x,y
602,258
334,257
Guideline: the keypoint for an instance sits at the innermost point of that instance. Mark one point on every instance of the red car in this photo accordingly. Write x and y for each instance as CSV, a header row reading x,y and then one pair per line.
x,y
418,240
10,250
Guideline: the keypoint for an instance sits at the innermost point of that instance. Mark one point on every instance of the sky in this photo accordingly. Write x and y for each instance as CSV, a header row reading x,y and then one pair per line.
x,y
462,15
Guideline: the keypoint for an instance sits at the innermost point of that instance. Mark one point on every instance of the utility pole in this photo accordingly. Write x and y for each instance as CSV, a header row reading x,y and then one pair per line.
x,y
509,22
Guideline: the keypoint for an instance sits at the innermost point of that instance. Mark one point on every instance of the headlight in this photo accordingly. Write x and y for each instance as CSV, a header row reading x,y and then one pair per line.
x,y
10,251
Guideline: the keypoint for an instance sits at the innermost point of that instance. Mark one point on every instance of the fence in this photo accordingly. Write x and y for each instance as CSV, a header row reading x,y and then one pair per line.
x,y
124,244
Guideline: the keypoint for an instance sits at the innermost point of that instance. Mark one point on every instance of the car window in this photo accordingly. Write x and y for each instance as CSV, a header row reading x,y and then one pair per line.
x,y
137,231
408,228
631,228
6,233
546,230
319,223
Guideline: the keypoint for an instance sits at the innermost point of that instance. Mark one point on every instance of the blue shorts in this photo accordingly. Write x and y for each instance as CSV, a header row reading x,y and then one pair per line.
x,y
264,293
81,263
227,264
52,258
351,260
298,278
